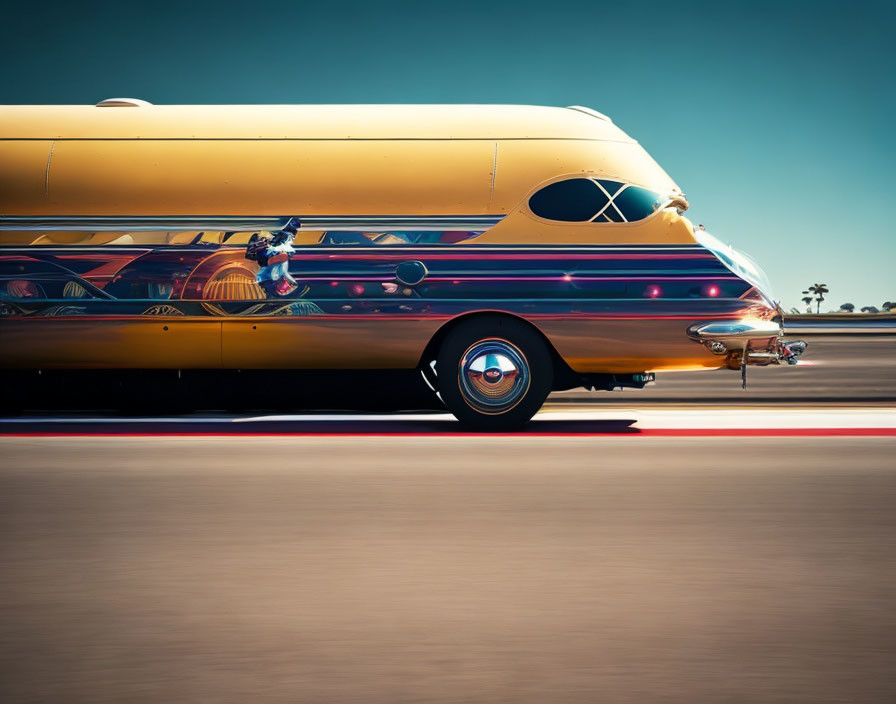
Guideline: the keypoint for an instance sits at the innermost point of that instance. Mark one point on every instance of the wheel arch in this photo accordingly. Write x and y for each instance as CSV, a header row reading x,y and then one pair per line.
x,y
564,376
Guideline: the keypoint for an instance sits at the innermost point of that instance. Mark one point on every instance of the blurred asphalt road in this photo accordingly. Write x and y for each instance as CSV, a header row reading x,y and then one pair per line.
x,y
605,566
448,569
835,369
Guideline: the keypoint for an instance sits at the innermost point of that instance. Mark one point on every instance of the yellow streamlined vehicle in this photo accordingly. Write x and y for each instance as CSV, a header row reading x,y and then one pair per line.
x,y
505,251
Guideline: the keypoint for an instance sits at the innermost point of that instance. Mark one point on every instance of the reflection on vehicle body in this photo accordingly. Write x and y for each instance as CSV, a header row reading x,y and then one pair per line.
x,y
740,264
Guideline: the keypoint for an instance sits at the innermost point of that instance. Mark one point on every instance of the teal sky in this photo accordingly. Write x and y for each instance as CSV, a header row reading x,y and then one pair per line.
x,y
776,118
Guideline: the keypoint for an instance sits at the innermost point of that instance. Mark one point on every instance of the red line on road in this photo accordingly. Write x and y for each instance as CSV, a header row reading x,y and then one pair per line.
x,y
631,432
769,432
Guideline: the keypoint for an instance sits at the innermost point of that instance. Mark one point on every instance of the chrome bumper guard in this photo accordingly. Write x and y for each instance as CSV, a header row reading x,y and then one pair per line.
x,y
742,342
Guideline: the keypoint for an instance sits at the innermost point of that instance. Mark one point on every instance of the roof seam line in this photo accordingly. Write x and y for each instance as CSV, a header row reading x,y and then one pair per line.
x,y
491,193
47,173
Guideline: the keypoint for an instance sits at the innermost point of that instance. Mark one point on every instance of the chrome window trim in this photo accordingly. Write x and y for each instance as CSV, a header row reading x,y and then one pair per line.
x,y
609,200
662,206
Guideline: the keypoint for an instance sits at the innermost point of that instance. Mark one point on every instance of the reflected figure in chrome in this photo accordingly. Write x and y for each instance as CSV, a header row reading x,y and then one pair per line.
x,y
272,255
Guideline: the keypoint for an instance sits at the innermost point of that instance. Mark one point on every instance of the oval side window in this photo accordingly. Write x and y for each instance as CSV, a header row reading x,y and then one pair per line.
x,y
572,200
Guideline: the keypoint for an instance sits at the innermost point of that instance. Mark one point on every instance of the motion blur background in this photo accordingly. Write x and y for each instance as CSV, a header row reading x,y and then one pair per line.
x,y
774,117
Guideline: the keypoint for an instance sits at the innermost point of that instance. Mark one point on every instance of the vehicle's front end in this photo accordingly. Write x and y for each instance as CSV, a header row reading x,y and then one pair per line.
x,y
755,338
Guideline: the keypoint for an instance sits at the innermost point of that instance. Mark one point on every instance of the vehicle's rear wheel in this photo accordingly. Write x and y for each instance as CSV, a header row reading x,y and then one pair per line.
x,y
494,373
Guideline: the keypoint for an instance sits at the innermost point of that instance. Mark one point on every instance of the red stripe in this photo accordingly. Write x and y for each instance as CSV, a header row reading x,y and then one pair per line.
x,y
470,253
632,432
769,432
159,320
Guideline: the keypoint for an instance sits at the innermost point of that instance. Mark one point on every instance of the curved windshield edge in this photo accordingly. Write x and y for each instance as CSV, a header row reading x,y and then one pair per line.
x,y
739,263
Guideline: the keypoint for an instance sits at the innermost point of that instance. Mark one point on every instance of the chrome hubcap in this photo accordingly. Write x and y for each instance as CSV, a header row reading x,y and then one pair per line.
x,y
493,376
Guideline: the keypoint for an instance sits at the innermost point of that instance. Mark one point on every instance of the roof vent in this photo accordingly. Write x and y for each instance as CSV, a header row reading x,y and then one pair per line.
x,y
589,111
122,103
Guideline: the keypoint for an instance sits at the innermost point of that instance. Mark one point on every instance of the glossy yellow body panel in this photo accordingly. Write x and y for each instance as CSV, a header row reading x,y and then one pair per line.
x,y
302,160
306,343
266,178
349,160
626,346
356,122
588,346
66,343
23,175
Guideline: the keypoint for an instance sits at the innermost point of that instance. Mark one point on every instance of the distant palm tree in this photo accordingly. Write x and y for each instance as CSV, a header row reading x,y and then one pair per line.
x,y
808,301
870,309
819,290
847,308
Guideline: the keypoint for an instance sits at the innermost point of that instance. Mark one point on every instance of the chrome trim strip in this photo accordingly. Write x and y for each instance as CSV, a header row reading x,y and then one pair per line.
x,y
365,223
729,330
859,327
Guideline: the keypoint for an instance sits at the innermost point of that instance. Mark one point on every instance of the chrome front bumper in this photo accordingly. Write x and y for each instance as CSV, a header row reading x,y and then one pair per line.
x,y
744,342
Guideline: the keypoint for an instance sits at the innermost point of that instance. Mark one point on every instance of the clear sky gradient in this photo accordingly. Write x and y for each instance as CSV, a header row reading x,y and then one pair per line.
x,y
776,118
